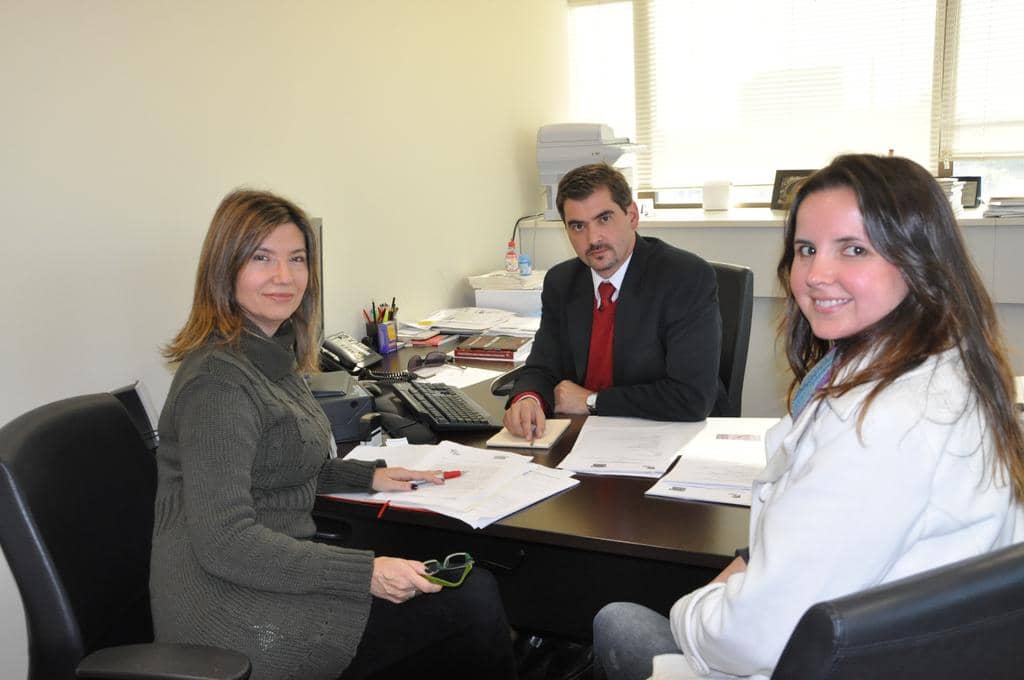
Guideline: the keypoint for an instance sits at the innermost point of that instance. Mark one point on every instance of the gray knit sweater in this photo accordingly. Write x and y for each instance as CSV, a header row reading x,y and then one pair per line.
x,y
243,452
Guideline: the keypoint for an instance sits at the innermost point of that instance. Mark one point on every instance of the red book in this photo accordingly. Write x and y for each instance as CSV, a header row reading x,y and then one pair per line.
x,y
494,347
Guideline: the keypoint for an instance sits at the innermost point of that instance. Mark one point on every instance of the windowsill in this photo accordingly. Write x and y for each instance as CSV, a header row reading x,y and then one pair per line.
x,y
697,218
766,217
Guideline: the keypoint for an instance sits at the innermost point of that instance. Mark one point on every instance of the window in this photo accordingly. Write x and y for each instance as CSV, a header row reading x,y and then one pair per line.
x,y
986,116
738,89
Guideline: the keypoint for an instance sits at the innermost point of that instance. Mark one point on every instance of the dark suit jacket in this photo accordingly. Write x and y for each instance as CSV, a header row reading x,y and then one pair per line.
x,y
668,336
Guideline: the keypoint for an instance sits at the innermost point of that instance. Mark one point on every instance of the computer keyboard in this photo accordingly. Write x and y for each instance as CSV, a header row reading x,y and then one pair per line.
x,y
443,407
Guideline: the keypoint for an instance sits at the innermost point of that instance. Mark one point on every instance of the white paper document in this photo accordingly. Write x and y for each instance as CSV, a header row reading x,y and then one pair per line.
x,y
466,319
503,280
519,326
632,447
461,376
493,484
719,464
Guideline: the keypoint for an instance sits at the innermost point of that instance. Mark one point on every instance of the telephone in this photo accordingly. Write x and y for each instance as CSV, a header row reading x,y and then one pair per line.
x,y
342,351
503,385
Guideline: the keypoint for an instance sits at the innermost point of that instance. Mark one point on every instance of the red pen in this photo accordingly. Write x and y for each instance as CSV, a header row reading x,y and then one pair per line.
x,y
446,474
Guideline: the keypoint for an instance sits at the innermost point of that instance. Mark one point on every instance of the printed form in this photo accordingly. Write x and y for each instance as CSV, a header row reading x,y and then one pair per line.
x,y
719,464
493,484
632,447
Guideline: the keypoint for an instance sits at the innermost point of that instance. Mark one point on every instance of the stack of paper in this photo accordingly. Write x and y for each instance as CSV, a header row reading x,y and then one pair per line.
x,y
502,280
719,464
457,375
519,326
493,484
632,447
1005,206
954,191
554,428
465,320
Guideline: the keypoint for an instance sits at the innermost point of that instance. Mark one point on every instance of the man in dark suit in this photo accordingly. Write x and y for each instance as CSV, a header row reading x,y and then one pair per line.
x,y
630,328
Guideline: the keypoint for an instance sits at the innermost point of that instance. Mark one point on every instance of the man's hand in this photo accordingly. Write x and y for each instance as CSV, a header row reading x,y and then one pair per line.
x,y
525,418
398,580
571,398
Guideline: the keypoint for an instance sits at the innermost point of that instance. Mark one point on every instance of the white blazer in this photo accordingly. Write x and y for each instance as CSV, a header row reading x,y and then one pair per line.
x,y
834,513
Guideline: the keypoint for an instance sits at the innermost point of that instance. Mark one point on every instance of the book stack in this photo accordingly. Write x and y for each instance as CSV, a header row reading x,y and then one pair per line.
x,y
494,348
953,188
1005,206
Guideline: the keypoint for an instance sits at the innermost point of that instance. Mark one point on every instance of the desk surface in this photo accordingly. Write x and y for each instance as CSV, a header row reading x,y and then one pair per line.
x,y
559,561
605,514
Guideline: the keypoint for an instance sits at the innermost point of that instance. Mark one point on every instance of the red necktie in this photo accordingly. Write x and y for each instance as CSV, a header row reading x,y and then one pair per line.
x,y
599,361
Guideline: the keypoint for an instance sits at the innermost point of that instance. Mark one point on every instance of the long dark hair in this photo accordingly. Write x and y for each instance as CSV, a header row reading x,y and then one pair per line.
x,y
242,221
909,221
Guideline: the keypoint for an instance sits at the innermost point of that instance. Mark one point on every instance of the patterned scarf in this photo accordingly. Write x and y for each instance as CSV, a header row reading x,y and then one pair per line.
x,y
815,379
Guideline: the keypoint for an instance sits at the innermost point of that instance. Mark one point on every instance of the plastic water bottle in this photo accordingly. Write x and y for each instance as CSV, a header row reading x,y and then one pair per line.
x,y
511,259
525,265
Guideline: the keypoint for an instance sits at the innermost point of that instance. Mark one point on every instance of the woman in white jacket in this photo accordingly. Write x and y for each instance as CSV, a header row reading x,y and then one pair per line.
x,y
901,450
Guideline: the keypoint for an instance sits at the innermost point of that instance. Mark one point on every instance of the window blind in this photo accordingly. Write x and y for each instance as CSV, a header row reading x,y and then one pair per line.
x,y
736,89
984,70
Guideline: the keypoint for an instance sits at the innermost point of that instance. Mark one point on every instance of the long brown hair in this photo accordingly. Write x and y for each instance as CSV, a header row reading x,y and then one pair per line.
x,y
909,221
242,221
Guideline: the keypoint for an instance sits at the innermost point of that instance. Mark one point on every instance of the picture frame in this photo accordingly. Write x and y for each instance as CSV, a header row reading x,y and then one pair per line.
x,y
786,183
971,196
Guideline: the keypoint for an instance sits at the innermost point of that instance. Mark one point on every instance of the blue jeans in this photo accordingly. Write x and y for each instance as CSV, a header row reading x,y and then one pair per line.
x,y
627,637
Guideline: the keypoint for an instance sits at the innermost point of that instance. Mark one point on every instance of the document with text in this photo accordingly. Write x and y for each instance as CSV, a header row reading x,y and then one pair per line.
x,y
491,484
631,447
719,464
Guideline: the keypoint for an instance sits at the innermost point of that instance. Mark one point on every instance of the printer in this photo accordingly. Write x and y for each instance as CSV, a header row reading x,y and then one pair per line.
x,y
564,146
343,400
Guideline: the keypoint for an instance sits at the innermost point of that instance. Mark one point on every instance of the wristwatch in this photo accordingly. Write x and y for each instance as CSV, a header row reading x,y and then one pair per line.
x,y
592,403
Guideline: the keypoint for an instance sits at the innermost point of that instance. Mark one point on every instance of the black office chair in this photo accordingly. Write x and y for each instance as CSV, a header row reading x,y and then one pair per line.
x,y
736,305
77,486
131,398
962,620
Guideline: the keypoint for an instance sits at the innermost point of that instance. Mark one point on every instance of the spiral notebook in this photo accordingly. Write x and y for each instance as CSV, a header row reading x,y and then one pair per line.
x,y
554,428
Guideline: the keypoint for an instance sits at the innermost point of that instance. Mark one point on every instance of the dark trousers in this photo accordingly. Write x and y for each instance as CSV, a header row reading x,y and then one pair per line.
x,y
456,633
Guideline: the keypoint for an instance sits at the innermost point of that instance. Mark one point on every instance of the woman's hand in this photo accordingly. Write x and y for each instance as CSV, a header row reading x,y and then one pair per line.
x,y
735,567
400,479
398,580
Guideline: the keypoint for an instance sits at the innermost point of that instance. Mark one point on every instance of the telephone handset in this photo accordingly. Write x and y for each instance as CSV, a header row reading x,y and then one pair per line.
x,y
503,385
348,353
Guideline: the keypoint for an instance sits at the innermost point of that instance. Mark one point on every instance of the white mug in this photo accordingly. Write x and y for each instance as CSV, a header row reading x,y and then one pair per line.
x,y
716,194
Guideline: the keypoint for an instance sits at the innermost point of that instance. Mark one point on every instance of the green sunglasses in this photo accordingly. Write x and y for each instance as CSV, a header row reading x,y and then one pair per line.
x,y
451,572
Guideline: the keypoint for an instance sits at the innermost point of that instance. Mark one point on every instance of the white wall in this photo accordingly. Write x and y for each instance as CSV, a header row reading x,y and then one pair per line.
x,y
408,126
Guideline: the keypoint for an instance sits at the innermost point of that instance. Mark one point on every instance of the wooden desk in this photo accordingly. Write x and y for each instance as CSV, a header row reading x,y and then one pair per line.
x,y
558,562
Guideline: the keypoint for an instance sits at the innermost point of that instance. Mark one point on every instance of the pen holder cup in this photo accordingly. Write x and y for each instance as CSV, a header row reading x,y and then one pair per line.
x,y
383,336
370,339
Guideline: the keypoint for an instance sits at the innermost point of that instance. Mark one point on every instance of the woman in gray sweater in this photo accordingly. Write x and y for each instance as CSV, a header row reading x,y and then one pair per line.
x,y
245,449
